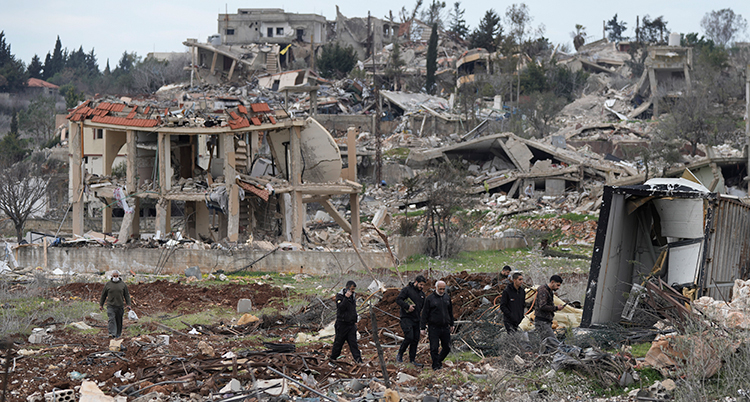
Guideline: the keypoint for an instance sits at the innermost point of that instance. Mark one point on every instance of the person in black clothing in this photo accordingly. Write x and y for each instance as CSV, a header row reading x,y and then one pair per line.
x,y
437,313
545,307
346,323
512,303
411,300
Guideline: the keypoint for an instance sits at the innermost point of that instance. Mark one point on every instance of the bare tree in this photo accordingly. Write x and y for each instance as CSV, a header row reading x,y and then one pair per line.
x,y
721,26
447,193
21,194
38,120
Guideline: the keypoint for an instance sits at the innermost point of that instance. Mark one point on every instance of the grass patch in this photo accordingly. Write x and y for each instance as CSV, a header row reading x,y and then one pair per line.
x,y
397,154
463,357
640,349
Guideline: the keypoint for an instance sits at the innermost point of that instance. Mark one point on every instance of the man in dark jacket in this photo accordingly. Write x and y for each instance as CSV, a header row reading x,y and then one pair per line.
x,y
437,313
346,323
411,300
545,307
512,303
116,295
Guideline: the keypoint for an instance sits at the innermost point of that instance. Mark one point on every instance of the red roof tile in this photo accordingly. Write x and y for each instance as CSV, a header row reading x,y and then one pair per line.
x,y
37,83
260,107
255,120
273,121
262,193
121,121
242,109
234,115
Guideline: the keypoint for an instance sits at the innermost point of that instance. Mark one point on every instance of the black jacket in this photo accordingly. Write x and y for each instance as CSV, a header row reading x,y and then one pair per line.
x,y
346,308
545,304
437,311
512,304
410,292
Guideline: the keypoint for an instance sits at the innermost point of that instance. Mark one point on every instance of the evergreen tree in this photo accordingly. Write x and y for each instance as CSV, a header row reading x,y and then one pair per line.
x,y
56,62
13,74
432,59
458,28
336,60
92,67
488,32
432,15
394,68
12,147
35,67
107,71
47,62
615,29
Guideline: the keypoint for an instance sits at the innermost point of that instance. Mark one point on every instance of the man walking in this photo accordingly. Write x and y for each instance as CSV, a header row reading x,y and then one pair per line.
x,y
116,295
512,303
437,313
346,323
545,307
411,300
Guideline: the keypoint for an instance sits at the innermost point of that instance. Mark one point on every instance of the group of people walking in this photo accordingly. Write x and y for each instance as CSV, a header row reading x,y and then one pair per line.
x,y
433,316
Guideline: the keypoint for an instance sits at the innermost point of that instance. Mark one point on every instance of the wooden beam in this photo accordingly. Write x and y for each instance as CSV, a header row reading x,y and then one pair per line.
x,y
315,198
328,205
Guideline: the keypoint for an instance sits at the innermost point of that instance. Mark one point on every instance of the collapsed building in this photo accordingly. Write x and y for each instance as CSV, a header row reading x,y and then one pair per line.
x,y
215,162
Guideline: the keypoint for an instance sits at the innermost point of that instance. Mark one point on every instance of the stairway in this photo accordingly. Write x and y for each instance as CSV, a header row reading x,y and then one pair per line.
x,y
272,63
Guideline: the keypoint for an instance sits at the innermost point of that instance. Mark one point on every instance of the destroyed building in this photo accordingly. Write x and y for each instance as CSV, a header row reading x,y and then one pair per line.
x,y
230,170
667,237
364,34
271,25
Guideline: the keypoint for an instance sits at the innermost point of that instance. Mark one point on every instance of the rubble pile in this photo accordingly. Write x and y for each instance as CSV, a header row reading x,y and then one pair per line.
x,y
732,314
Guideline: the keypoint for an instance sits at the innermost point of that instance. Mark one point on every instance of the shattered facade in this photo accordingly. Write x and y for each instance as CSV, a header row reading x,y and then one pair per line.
x,y
271,25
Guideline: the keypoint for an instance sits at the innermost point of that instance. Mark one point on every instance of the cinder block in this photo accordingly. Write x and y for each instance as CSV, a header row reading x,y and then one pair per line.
x,y
244,306
194,271
64,395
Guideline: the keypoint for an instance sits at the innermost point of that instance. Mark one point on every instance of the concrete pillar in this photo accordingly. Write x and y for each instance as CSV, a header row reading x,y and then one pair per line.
x,y
351,141
295,176
230,174
163,216
75,149
654,94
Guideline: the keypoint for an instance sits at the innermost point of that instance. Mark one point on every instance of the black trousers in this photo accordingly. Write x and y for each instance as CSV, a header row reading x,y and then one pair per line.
x,y
439,336
345,332
510,327
411,338
114,320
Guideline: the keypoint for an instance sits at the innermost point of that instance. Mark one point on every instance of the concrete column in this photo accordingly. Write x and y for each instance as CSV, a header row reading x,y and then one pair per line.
x,y
163,215
295,176
654,94
230,174
75,155
351,141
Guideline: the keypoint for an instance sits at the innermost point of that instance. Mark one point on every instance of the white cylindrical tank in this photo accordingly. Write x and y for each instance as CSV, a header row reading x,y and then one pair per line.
x,y
674,39
214,39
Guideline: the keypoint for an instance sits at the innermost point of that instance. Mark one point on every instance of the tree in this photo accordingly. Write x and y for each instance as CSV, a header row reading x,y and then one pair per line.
x,y
35,67
433,13
721,26
446,190
458,27
39,120
487,34
579,36
12,146
13,74
540,108
72,95
394,69
432,59
336,61
21,194
615,29
55,63
653,31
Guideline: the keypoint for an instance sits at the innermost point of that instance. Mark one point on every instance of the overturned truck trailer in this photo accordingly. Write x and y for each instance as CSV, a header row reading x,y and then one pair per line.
x,y
673,229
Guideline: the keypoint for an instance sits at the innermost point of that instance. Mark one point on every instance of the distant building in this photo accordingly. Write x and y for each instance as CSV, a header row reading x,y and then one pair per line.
x,y
41,87
271,25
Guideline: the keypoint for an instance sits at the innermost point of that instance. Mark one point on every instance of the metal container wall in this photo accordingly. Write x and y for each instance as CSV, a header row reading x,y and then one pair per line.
x,y
729,248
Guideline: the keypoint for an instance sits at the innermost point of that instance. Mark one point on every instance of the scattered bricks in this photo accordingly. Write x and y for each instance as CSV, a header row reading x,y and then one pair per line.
x,y
244,306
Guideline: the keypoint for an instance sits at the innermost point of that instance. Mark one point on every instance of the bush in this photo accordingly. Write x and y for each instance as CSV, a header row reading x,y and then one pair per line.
x,y
336,61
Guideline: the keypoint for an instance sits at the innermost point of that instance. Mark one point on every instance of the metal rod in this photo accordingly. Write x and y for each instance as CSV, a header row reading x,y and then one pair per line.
x,y
301,384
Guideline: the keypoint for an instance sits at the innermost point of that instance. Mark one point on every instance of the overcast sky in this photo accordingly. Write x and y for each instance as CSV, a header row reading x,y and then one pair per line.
x,y
32,26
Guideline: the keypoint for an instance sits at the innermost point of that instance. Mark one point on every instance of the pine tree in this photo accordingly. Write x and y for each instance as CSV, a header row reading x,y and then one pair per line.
x,y
56,62
615,29
488,32
458,28
12,70
35,67
432,60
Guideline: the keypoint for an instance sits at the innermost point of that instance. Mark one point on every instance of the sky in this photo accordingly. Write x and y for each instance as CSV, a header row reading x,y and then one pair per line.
x,y
31,27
